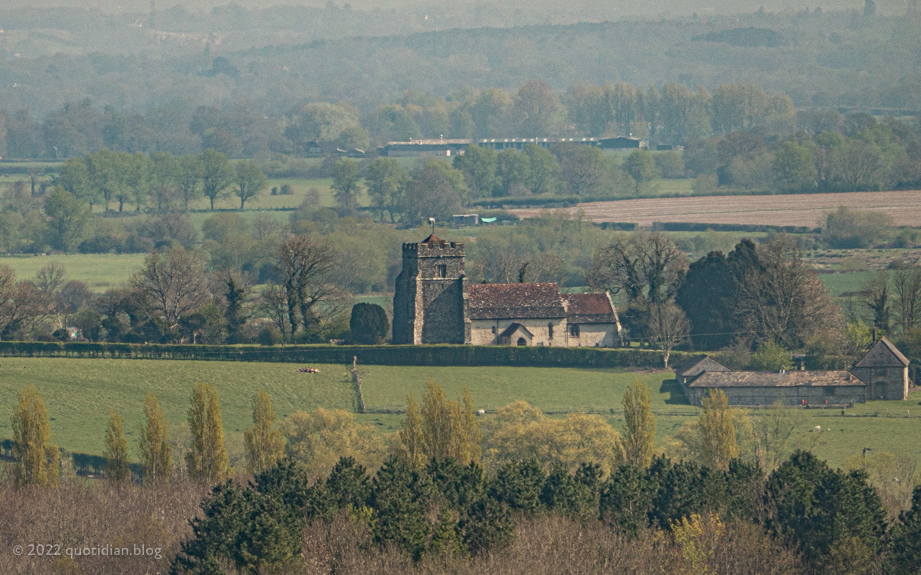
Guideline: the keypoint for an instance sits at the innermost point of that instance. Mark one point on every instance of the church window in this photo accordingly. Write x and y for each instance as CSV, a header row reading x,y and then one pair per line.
x,y
442,271
550,330
573,330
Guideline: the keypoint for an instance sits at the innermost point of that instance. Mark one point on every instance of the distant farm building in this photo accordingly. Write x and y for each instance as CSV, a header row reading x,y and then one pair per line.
x,y
454,147
881,374
466,220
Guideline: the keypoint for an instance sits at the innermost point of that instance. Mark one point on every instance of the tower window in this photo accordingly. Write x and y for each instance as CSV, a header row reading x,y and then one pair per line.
x,y
441,271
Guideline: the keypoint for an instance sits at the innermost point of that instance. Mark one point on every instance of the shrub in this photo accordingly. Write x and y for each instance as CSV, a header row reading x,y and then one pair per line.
x,y
270,336
369,323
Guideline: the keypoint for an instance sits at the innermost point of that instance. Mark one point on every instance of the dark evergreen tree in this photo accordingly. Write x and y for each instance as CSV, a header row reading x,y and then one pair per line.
x,y
561,492
488,525
518,485
626,498
710,291
399,497
369,323
905,540
214,534
459,485
348,483
270,537
235,296
447,537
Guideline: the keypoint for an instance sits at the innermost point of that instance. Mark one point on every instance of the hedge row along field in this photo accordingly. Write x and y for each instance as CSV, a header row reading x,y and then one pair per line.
x,y
422,355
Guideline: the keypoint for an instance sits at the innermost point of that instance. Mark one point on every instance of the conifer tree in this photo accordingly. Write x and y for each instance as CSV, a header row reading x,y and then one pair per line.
x,y
116,449
640,433
153,446
36,454
717,433
411,435
207,458
264,445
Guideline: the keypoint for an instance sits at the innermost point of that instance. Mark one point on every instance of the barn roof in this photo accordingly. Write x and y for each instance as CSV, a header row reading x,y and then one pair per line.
x,y
838,378
588,308
515,301
883,354
700,364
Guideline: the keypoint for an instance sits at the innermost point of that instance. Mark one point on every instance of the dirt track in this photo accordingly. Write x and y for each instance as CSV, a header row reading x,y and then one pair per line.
x,y
783,210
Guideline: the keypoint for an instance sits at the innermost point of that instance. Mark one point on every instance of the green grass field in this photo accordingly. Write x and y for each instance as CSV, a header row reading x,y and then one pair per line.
x,y
842,283
80,392
98,271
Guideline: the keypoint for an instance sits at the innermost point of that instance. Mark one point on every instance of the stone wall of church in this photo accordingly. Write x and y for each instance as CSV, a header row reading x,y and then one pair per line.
x,y
593,335
485,331
442,303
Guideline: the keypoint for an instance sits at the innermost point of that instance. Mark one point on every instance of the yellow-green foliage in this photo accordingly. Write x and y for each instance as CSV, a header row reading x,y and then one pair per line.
x,y
520,431
640,426
449,428
153,445
36,454
116,450
320,438
264,445
207,457
694,537
412,448
894,476
718,445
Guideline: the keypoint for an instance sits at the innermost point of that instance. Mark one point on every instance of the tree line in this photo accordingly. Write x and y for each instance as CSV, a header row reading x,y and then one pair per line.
x,y
432,498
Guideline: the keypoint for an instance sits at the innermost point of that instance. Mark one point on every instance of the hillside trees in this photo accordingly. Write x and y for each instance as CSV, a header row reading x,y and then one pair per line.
x,y
386,180
217,175
302,265
249,181
436,190
67,219
346,187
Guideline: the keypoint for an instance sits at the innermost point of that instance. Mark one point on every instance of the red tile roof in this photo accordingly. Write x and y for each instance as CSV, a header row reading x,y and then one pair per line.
x,y
514,301
588,308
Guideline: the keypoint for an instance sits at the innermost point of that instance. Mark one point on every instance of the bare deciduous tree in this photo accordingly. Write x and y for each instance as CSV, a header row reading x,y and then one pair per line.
x,y
644,267
668,326
171,284
303,264
906,284
785,300
22,305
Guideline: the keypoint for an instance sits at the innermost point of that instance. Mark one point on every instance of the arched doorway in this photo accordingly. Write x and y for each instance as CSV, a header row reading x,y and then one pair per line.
x,y
522,341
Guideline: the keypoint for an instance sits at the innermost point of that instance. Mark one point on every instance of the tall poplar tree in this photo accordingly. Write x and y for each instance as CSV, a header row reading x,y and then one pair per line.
x,y
36,454
640,432
411,435
207,458
116,449
717,433
153,446
264,445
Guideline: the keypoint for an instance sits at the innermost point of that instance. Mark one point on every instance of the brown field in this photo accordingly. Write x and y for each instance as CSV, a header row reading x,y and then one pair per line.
x,y
781,210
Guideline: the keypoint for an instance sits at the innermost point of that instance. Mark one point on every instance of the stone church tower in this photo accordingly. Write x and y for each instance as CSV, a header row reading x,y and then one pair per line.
x,y
430,296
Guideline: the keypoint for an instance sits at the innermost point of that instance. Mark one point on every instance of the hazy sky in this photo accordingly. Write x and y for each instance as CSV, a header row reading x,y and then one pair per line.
x,y
618,8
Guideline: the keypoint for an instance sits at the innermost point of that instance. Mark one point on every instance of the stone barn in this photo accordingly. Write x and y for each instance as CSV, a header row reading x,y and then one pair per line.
x,y
881,374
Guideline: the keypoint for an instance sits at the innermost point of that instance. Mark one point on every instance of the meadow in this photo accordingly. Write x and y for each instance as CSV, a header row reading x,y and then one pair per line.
x,y
80,392
98,271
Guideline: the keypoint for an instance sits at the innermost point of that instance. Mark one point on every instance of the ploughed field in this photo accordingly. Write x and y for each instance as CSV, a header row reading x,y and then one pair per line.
x,y
80,392
807,210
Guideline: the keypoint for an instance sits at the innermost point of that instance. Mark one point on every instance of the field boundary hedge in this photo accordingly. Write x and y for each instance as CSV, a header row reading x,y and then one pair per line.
x,y
408,355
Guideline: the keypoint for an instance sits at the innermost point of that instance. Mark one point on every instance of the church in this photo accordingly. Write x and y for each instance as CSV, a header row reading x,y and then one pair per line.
x,y
434,303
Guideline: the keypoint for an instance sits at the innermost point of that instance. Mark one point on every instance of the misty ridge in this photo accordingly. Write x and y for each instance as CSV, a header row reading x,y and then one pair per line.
x,y
150,58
